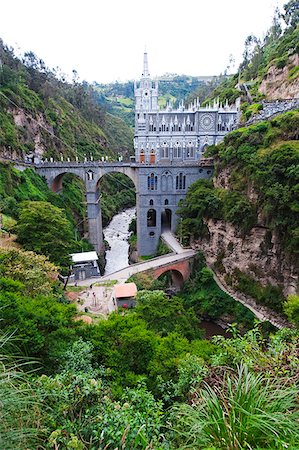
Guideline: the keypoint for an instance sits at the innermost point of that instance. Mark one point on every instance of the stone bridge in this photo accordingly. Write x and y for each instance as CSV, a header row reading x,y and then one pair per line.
x,y
180,271
159,188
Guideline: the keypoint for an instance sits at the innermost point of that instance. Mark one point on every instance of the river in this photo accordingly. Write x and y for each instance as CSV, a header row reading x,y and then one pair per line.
x,y
117,234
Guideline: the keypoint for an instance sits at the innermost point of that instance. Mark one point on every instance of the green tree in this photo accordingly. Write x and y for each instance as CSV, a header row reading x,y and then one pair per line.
x,y
291,308
35,272
44,228
166,315
291,16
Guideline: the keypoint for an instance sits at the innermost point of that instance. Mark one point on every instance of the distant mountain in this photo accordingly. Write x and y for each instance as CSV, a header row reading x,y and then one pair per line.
x,y
42,115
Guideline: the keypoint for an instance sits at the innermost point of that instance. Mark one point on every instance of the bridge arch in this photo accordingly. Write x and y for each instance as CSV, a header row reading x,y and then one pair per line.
x,y
128,171
56,182
177,278
180,272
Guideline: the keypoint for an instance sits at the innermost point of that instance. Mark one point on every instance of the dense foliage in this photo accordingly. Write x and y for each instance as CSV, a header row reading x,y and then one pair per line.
x,y
125,382
263,158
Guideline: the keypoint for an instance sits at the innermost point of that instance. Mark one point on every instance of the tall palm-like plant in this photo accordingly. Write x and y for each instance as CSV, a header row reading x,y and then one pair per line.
x,y
17,404
247,412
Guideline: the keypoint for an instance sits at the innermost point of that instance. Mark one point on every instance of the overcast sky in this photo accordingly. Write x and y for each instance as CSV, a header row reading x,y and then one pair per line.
x,y
104,40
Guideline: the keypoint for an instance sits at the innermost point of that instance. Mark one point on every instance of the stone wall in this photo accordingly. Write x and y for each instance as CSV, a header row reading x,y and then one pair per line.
x,y
273,108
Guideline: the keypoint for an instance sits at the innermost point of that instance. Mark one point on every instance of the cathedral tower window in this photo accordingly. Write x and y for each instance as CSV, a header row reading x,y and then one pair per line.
x,y
151,202
151,218
152,182
164,152
180,181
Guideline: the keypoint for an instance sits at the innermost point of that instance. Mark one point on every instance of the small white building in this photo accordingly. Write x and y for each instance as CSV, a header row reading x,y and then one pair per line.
x,y
85,265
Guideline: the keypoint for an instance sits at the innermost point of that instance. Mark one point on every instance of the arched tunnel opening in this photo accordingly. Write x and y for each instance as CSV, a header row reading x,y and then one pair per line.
x,y
166,220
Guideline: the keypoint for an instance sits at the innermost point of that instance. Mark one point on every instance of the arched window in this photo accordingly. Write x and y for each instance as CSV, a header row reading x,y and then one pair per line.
x,y
151,218
90,175
152,182
166,202
164,152
177,150
180,181
166,182
151,202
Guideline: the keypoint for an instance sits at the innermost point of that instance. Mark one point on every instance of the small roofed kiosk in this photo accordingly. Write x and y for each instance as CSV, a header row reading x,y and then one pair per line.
x,y
85,265
125,295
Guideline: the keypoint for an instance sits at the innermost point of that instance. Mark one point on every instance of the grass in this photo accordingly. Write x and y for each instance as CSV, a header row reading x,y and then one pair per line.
x,y
108,283
146,257
244,412
75,288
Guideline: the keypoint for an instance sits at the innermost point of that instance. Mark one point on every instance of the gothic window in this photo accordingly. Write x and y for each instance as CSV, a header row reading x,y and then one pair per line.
x,y
151,202
180,181
166,182
151,218
190,152
164,152
163,127
166,202
177,151
152,182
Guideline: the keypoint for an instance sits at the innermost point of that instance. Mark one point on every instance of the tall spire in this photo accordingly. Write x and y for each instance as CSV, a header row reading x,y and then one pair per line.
x,y
145,65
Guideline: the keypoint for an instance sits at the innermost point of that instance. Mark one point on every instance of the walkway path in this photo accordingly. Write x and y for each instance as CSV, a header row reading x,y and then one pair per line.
x,y
172,242
261,312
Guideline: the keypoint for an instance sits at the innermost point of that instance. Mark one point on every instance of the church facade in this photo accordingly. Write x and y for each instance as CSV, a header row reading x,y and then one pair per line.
x,y
176,135
168,148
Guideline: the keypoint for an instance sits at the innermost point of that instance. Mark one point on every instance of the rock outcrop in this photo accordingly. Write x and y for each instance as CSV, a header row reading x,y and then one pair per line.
x,y
258,254
276,83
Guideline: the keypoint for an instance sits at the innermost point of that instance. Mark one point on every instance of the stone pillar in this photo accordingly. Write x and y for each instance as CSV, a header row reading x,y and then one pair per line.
x,y
94,217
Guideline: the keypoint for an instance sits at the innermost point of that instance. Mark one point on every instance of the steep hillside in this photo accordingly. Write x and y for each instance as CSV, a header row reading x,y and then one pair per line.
x,y
246,220
44,116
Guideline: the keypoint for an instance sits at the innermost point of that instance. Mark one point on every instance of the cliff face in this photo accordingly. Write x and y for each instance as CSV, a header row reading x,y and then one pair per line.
x,y
259,254
279,83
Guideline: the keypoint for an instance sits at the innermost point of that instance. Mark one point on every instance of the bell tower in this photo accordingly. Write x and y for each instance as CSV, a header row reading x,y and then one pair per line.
x,y
146,91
